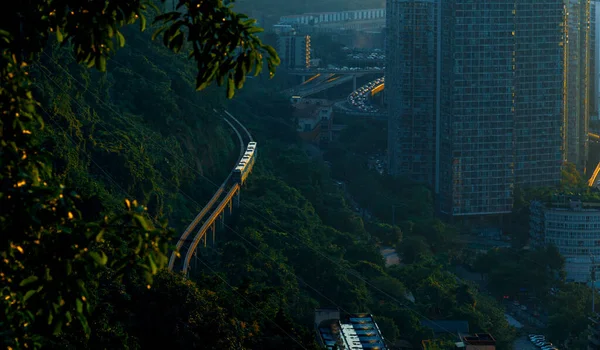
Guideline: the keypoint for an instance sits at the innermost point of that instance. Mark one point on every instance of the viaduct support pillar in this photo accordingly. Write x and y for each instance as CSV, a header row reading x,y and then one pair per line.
x,y
303,78
214,231
354,82
195,260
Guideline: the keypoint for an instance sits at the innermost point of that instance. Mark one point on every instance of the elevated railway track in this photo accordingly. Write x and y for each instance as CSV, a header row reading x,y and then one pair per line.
x,y
222,203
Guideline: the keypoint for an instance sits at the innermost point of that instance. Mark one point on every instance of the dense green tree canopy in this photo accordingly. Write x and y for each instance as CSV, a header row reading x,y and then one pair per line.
x,y
52,255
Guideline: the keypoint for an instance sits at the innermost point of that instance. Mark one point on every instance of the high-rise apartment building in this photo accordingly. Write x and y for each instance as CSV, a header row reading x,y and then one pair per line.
x,y
594,60
477,119
500,105
578,81
294,50
540,107
412,52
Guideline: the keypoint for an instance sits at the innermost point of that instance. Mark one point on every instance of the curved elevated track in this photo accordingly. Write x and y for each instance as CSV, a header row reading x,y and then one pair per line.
x,y
222,202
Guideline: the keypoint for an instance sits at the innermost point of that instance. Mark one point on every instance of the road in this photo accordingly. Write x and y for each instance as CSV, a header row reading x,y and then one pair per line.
x,y
523,343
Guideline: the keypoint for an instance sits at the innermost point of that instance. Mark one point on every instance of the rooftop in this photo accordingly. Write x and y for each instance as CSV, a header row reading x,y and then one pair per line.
x,y
571,203
352,332
589,197
478,339
310,108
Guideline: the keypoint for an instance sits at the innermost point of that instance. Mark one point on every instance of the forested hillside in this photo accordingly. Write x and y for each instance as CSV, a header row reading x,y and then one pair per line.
x,y
296,246
141,131
141,123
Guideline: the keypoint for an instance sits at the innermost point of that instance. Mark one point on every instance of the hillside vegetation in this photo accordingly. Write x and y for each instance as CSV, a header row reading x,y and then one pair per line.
x,y
141,131
296,246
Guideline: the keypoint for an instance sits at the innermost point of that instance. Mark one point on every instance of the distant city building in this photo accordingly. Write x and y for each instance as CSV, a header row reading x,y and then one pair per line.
x,y
294,50
315,62
573,227
333,21
502,102
594,81
315,119
538,93
477,341
579,81
350,332
478,96
364,39
284,29
412,87
596,69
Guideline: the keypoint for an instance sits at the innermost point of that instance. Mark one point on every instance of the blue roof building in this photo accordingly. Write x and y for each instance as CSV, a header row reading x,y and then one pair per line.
x,y
351,332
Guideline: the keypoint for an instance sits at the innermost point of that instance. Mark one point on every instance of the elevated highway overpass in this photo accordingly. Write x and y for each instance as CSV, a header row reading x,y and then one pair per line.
x,y
321,85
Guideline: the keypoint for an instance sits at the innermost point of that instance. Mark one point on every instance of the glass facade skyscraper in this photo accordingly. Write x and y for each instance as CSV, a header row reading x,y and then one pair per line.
x,y
593,62
412,89
578,81
540,106
477,119
500,110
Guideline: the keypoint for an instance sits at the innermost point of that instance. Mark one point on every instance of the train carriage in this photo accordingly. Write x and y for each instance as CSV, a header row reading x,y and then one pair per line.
x,y
245,165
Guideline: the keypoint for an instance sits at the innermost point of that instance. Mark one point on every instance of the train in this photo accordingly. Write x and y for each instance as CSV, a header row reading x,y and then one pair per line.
x,y
244,167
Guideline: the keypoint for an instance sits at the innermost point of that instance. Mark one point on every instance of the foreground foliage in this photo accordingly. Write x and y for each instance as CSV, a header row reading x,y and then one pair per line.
x,y
52,254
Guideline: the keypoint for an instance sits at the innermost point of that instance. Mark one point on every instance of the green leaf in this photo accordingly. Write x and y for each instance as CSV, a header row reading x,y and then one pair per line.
x,y
28,280
142,22
59,35
240,76
246,64
79,305
230,87
142,222
177,42
100,259
253,30
138,248
57,328
84,324
100,235
152,264
271,51
6,34
259,67
29,294
101,63
152,5
120,39
168,34
91,62
158,31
